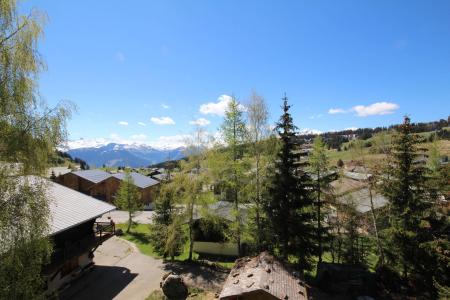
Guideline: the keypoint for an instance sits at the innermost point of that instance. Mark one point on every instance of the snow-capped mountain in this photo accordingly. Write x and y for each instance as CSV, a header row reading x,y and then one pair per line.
x,y
130,155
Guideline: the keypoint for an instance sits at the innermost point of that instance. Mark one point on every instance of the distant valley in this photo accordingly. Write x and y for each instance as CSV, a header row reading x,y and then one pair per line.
x,y
115,155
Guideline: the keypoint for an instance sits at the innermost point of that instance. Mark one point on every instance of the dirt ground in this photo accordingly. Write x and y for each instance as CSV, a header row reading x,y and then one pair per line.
x,y
122,272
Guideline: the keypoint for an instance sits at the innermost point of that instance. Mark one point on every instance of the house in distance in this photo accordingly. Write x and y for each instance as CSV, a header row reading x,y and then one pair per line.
x,y
104,186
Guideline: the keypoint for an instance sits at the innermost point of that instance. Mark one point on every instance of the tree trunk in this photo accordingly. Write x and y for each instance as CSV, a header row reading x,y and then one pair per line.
x,y
319,233
372,208
258,221
129,221
191,233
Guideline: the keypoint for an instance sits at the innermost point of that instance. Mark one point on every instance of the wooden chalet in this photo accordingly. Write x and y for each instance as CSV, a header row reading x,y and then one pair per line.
x,y
104,186
147,186
74,233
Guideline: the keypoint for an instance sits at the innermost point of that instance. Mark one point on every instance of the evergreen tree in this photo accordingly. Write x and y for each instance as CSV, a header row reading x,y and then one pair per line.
x,y
319,167
164,215
289,207
409,204
128,198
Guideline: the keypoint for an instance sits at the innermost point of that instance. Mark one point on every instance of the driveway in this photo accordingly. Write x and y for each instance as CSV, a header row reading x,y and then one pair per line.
x,y
120,216
120,272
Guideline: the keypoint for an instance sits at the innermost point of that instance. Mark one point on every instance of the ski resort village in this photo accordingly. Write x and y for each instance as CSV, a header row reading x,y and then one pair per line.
x,y
232,150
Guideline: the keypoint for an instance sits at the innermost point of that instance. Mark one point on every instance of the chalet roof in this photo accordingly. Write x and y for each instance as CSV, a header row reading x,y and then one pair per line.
x,y
94,176
264,274
58,171
223,209
361,199
139,180
356,175
69,208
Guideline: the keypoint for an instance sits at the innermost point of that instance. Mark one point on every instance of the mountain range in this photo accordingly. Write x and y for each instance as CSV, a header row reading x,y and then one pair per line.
x,y
128,155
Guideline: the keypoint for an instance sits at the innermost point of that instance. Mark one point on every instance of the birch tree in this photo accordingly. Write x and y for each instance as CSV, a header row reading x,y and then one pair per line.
x,y
258,133
30,131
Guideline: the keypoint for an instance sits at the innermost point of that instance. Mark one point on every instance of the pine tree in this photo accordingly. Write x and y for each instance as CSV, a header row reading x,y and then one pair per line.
x,y
289,207
409,206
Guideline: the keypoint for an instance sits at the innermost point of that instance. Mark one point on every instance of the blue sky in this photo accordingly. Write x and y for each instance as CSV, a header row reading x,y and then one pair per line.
x,y
370,62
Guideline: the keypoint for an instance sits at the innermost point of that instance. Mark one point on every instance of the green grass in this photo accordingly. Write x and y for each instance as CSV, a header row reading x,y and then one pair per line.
x,y
140,236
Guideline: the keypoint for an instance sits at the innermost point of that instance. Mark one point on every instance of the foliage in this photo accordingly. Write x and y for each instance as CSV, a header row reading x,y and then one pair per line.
x,y
128,198
289,206
319,166
30,132
175,238
262,148
414,225
229,165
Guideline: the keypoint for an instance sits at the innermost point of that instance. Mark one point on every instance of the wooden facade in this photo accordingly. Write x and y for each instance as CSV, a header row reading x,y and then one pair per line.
x,y
105,190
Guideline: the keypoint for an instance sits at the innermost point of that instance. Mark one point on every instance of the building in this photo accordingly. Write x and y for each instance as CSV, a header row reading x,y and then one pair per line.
x,y
262,278
74,233
147,187
89,182
104,186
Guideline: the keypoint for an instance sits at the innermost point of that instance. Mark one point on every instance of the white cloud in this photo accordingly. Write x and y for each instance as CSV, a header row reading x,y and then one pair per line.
x,y
165,106
200,122
309,131
162,121
316,116
351,128
139,137
216,108
334,111
123,123
120,56
142,124
379,108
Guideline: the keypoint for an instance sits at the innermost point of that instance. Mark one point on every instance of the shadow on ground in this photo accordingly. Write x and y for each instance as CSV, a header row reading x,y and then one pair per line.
x,y
103,282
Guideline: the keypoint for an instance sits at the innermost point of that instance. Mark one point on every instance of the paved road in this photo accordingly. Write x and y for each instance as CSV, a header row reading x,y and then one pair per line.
x,y
120,216
120,272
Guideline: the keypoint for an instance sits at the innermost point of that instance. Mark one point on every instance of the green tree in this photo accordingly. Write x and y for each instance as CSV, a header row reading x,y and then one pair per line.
x,y
409,208
289,207
128,198
359,153
319,167
258,139
234,134
192,181
175,238
30,133
164,215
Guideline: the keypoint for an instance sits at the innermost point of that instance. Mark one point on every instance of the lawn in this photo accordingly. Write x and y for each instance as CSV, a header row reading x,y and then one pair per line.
x,y
139,235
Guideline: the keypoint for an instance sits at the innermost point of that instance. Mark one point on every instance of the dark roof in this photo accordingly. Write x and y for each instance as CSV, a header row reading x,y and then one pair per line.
x,y
263,274
138,179
94,176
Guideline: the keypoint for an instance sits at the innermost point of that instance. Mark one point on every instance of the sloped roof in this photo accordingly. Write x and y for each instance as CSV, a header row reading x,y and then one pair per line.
x,y
69,208
264,274
361,200
138,179
94,176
